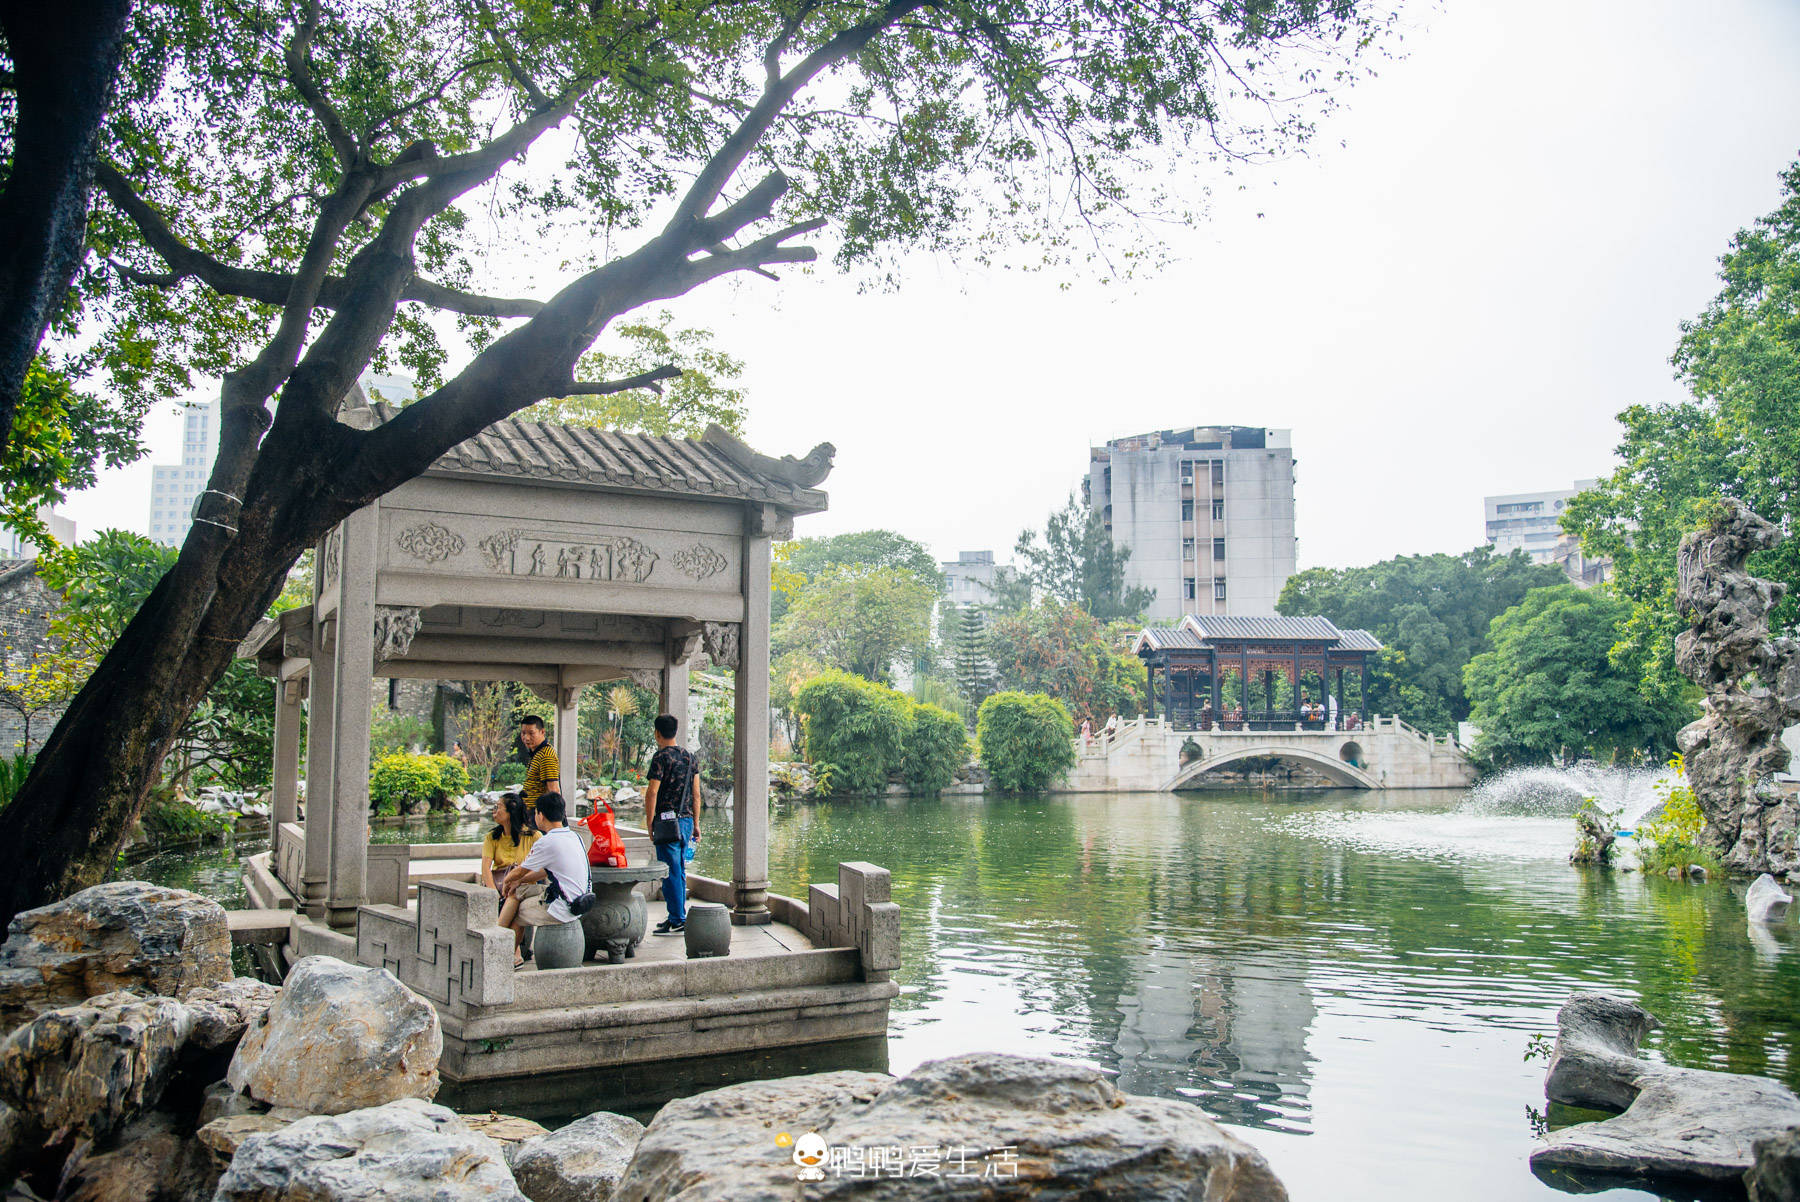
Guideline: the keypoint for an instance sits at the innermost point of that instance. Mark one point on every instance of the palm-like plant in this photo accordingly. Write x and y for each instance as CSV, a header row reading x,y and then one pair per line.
x,y
622,703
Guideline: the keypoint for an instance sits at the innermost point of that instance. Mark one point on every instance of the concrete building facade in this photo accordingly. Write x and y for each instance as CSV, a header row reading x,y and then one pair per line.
x,y
173,487
14,545
969,579
1207,512
1531,522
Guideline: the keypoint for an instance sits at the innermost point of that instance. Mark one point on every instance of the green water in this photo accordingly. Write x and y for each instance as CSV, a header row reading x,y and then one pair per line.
x,y
1349,982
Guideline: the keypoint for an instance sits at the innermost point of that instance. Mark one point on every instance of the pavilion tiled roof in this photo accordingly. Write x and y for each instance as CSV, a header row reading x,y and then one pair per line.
x,y
584,455
1197,630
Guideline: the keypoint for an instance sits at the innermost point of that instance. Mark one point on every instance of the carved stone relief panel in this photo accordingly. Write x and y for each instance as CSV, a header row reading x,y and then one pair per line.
x,y
430,542
721,642
615,558
700,561
332,557
395,626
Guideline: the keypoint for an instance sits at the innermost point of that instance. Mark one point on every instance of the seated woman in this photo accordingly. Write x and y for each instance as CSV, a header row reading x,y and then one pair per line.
x,y
507,845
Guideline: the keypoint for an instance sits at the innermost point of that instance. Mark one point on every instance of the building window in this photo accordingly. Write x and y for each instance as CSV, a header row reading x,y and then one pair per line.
x,y
1218,511
1218,548
1219,589
1187,511
1187,548
1190,588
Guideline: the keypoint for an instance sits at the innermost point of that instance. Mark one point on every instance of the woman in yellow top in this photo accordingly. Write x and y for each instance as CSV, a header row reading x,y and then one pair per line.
x,y
507,844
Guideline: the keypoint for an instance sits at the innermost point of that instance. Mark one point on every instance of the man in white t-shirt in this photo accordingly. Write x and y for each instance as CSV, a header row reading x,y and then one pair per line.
x,y
558,851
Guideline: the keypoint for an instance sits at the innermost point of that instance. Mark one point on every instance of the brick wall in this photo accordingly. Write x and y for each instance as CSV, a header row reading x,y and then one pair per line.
x,y
26,607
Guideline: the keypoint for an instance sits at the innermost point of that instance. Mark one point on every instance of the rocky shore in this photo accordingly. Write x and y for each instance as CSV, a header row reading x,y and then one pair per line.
x,y
135,1066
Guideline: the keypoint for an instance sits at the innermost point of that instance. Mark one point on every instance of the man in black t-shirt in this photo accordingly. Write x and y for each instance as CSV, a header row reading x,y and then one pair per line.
x,y
668,798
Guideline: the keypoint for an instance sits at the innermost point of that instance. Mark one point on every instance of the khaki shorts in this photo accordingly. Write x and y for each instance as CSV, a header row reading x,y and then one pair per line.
x,y
532,910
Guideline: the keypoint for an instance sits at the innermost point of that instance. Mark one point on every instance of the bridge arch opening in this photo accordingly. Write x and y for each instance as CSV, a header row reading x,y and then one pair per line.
x,y
1352,753
1273,765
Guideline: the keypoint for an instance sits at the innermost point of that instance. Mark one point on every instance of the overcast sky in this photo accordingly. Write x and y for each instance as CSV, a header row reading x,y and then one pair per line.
x,y
1485,256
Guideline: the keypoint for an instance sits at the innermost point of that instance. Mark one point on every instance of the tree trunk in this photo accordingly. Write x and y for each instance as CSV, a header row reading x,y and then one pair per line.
x,y
64,59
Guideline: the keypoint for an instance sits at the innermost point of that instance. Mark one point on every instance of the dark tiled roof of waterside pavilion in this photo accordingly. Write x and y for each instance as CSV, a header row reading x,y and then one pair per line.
x,y
553,453
1199,630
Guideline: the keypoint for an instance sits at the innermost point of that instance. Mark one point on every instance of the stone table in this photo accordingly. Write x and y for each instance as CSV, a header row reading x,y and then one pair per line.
x,y
619,917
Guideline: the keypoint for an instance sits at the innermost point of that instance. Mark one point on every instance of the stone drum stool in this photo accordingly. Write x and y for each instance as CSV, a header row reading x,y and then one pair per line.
x,y
560,945
618,919
708,930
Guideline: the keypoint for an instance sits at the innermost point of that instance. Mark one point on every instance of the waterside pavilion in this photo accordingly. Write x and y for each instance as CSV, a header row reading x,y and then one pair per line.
x,y
1207,666
557,557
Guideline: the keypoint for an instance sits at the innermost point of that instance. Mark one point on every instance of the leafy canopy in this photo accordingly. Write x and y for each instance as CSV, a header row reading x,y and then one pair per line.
x,y
862,620
1075,562
700,396
1026,740
1738,437
1431,612
60,439
1548,688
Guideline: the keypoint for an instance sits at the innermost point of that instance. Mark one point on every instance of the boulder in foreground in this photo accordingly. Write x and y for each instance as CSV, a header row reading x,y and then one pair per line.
x,y
977,1126
339,1038
576,1163
121,935
1680,1124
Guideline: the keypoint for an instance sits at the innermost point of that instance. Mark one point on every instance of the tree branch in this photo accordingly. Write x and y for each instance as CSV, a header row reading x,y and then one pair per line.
x,y
298,55
270,287
647,379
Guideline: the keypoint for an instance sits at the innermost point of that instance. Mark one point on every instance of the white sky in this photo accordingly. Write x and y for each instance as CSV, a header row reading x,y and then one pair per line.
x,y
1485,257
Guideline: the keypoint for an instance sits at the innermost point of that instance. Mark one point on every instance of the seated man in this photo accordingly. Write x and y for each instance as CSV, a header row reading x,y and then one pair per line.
x,y
558,850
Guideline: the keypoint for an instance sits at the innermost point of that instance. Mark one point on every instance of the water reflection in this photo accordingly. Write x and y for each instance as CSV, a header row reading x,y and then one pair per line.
x,y
1348,980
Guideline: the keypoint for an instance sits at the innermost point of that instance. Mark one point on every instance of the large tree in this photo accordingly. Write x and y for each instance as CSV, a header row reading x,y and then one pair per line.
x,y
805,560
1738,437
1075,561
285,186
1432,613
1548,690
860,620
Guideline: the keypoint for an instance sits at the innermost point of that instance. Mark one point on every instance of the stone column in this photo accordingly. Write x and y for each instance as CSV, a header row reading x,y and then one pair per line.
x,y
675,703
285,804
566,735
750,754
353,662
321,701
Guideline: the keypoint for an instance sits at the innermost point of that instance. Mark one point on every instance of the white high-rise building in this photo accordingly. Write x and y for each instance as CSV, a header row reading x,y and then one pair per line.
x,y
173,489
1208,513
1532,522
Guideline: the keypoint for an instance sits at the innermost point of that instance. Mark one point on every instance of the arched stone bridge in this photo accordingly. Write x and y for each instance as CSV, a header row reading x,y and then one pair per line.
x,y
1146,756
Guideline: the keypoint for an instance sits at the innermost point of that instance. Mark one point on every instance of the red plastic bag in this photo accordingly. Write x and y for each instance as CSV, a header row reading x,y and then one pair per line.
x,y
607,850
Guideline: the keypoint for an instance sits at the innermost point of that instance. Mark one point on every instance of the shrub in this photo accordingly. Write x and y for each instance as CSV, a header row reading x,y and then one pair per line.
x,y
512,772
1672,838
13,771
400,779
167,819
935,745
1025,740
855,725
453,778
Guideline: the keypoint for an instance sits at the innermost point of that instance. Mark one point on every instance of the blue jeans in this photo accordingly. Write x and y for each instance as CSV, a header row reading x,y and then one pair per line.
x,y
674,886
687,837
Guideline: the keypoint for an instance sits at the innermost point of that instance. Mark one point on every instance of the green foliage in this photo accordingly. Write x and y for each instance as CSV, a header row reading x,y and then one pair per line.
x,y
801,562
855,725
1672,839
1432,612
453,778
686,405
1738,437
392,731
1026,740
60,438
1076,563
936,744
965,632
168,819
860,620
1548,688
1058,649
398,780
13,771
506,774
1594,839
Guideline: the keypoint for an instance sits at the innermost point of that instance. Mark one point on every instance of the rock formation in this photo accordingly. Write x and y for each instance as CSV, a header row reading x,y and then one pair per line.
x,y
1000,1126
1752,684
123,935
584,1160
339,1038
1766,901
1682,1123
90,1067
405,1151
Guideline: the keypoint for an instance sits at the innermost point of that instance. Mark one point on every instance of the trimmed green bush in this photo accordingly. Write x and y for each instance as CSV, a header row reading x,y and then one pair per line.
x,y
507,774
398,780
855,725
453,778
1025,740
935,745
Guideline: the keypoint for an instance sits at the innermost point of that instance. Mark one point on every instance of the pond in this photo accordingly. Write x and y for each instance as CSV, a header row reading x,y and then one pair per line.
x,y
1350,981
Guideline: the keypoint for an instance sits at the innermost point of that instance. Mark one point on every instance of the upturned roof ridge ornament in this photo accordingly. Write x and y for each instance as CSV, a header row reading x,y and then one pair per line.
x,y
807,472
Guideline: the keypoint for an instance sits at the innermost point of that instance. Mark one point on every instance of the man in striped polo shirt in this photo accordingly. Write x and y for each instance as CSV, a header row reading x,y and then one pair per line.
x,y
542,770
